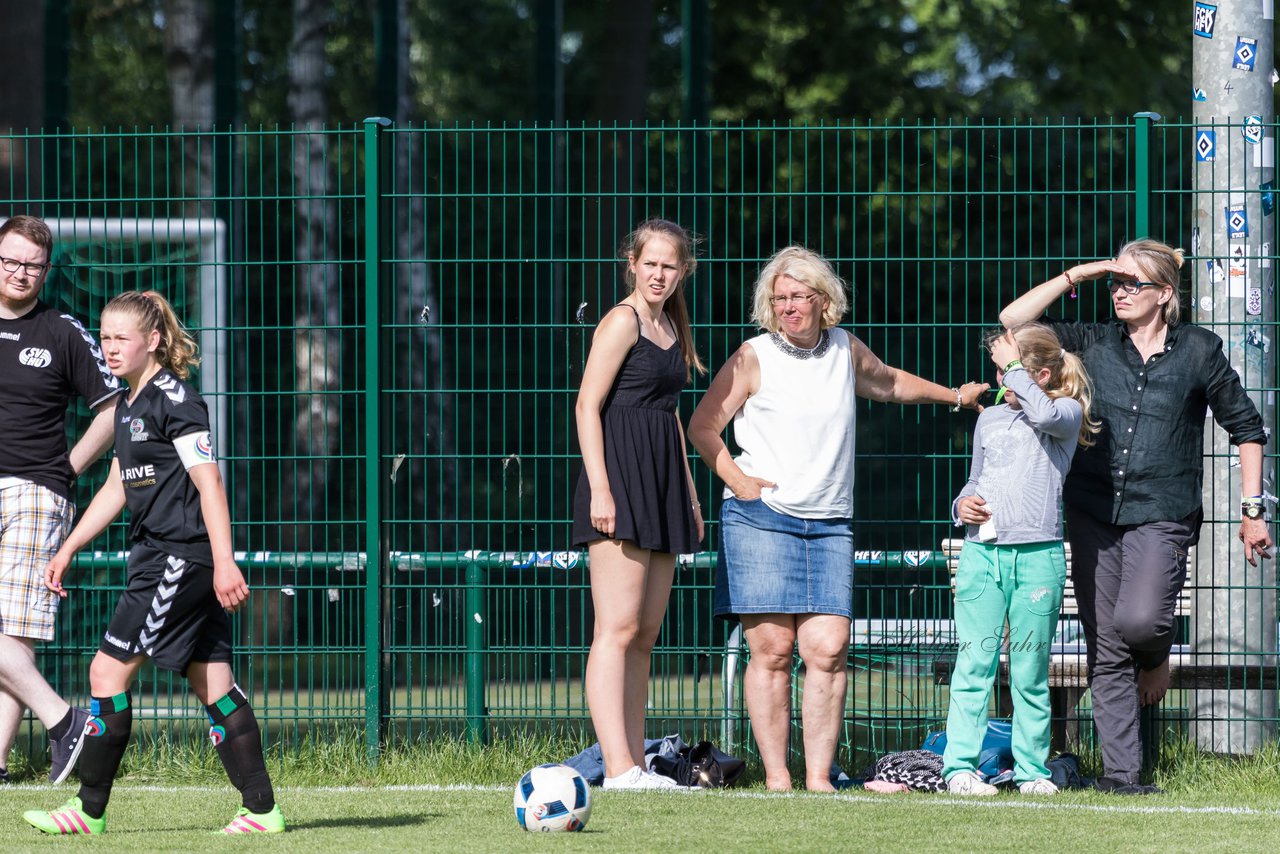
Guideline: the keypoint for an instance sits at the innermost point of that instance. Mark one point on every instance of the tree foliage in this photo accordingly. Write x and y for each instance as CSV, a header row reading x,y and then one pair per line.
x,y
769,60
811,59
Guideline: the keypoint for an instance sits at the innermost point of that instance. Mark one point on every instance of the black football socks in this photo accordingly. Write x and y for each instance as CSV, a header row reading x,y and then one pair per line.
x,y
234,732
105,738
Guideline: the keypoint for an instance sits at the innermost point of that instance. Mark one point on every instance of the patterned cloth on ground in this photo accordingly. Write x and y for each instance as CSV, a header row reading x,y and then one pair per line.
x,y
918,770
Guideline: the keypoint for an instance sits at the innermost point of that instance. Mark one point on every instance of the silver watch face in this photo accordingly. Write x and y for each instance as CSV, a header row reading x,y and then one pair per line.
x,y
1251,511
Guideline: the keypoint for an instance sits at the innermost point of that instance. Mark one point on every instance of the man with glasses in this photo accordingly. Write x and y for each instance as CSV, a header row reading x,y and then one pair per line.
x,y
46,359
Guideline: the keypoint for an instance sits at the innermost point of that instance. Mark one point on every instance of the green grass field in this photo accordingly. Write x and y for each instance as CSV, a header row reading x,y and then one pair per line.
x,y
450,796
381,819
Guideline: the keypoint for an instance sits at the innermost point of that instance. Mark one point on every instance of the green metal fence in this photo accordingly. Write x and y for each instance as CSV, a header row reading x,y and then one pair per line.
x,y
397,320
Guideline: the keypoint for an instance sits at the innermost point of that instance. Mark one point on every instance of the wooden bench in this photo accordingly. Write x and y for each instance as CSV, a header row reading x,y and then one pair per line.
x,y
1069,670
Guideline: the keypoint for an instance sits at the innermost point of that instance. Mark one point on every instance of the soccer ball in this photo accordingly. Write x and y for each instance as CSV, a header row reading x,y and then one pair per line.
x,y
552,797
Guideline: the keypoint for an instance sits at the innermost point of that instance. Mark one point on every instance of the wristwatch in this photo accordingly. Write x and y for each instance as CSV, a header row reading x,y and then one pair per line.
x,y
1252,509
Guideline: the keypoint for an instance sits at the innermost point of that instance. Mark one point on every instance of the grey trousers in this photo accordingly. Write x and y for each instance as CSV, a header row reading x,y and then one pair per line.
x,y
1127,580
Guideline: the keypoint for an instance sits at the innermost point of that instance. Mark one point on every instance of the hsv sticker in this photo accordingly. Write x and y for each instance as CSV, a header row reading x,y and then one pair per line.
x,y
1251,130
1246,54
1237,222
1205,146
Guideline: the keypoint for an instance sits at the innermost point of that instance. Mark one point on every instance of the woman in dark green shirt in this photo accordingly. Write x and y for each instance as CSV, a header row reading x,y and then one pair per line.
x,y
1133,500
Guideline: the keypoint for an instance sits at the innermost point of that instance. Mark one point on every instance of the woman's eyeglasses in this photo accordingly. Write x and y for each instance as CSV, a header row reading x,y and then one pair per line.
x,y
798,299
1130,286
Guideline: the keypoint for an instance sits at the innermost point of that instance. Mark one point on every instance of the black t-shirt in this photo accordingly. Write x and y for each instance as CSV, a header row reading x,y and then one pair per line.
x,y
46,359
162,433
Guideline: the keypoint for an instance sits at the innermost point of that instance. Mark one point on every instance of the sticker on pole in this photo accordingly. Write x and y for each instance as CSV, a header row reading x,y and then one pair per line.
x,y
1238,259
1237,222
1198,94
1246,53
1251,130
1253,302
1206,17
1268,196
1205,146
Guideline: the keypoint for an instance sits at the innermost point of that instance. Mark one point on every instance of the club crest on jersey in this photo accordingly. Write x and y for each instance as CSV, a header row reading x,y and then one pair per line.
x,y
138,431
35,357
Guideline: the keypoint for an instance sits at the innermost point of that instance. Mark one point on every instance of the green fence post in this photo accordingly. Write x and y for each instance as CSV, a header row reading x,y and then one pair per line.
x,y
1149,730
373,480
477,706
1142,173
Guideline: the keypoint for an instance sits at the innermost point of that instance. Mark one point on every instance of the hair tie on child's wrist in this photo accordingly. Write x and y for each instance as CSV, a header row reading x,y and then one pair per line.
x,y
1067,275
1014,365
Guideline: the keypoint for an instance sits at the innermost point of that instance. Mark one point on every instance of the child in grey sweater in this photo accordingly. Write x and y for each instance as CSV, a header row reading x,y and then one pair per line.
x,y
1013,566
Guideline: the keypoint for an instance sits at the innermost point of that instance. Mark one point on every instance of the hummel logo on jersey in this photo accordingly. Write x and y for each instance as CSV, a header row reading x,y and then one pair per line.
x,y
111,380
117,643
11,336
35,357
172,389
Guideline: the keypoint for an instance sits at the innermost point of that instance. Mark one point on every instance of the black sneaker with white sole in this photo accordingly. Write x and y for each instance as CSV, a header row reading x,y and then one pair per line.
x,y
64,752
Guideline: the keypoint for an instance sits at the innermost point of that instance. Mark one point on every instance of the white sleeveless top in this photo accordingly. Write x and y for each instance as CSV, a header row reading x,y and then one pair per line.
x,y
798,429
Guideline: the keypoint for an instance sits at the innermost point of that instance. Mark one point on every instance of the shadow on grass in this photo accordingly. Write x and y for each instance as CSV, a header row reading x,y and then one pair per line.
x,y
384,821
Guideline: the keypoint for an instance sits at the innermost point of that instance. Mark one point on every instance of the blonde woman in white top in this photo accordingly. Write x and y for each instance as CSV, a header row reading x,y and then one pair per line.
x,y
786,537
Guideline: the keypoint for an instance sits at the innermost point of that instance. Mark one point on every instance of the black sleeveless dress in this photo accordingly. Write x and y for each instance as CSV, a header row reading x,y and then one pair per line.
x,y
643,455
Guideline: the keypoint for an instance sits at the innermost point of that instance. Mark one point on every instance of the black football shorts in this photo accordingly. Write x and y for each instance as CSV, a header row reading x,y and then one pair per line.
x,y
168,612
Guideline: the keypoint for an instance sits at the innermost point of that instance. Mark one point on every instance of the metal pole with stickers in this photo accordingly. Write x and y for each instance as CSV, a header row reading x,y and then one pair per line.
x,y
1233,619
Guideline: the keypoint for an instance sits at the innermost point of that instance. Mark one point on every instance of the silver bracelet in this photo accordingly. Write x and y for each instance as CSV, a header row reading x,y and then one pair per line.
x,y
959,401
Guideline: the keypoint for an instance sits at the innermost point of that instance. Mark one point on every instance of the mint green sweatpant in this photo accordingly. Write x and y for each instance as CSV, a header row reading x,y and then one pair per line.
x,y
1022,583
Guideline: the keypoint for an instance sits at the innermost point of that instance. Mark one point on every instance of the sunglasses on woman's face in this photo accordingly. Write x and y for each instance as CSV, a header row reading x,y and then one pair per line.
x,y
1130,286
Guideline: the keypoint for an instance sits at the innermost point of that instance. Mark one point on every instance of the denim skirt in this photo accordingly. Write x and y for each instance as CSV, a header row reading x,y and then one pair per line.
x,y
772,563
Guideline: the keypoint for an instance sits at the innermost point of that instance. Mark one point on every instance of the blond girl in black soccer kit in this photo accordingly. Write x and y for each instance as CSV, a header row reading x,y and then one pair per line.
x,y
182,576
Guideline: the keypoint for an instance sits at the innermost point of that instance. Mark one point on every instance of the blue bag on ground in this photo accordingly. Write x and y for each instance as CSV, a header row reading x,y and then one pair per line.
x,y
996,758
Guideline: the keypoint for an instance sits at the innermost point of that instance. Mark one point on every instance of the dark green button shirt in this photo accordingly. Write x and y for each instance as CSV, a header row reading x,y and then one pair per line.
x,y
1147,464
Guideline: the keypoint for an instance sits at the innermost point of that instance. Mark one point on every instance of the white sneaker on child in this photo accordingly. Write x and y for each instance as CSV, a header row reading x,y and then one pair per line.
x,y
1038,787
969,783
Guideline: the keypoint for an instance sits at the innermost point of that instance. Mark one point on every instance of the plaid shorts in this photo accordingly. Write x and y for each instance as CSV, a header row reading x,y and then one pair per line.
x,y
33,523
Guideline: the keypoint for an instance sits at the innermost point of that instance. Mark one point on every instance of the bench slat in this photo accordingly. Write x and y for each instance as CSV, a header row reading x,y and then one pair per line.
x,y
1071,671
951,548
